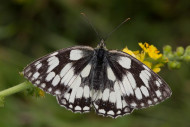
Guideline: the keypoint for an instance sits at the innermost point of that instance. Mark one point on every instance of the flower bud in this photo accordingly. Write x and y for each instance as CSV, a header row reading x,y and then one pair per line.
x,y
167,49
187,50
187,58
174,65
180,51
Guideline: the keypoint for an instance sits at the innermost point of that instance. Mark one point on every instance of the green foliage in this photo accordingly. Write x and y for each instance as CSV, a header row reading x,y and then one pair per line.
x,y
177,57
1,102
35,91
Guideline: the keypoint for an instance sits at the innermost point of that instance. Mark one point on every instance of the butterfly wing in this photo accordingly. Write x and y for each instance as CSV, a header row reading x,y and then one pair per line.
x,y
140,86
109,100
62,74
129,84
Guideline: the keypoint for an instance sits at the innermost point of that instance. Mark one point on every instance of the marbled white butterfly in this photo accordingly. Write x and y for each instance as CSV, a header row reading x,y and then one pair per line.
x,y
111,81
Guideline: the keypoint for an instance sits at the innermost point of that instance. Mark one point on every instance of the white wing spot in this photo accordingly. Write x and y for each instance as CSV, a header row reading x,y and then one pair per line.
x,y
79,92
39,66
145,91
64,101
94,94
70,106
43,85
57,92
126,109
133,104
85,72
37,82
95,105
118,95
142,104
36,75
112,98
102,111
158,93
127,86
50,76
155,99
110,74
131,80
149,102
50,89
65,69
100,95
118,112
125,62
105,94
29,74
72,80
86,91
77,108
37,63
52,64
110,112
138,93
68,76
124,103
145,77
76,54
86,108
157,83
66,96
53,54
74,87
56,80
27,69
50,58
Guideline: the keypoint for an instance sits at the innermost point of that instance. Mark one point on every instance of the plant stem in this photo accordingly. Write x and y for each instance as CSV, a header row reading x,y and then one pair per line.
x,y
15,89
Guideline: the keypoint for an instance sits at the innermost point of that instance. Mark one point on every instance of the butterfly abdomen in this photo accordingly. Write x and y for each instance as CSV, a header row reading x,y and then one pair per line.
x,y
97,76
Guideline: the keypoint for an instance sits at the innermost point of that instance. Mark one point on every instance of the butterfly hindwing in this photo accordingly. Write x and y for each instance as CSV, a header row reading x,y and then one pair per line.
x,y
78,97
109,101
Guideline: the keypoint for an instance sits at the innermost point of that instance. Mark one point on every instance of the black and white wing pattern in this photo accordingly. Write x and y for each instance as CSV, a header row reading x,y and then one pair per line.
x,y
63,74
128,85
140,86
113,82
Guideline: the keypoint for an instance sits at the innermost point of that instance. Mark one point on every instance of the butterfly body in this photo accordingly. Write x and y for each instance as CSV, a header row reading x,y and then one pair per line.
x,y
111,81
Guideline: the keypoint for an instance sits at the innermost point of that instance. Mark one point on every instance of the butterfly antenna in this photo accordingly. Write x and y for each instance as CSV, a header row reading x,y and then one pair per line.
x,y
116,28
88,21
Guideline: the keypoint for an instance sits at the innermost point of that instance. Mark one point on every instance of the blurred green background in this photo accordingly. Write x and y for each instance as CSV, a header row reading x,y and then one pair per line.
x,y
30,29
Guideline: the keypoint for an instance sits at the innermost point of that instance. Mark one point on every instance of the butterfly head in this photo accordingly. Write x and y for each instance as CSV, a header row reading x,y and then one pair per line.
x,y
102,45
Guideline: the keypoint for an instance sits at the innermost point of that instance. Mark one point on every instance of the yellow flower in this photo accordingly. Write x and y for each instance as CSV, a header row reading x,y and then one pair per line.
x,y
41,93
136,54
126,50
156,70
151,50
